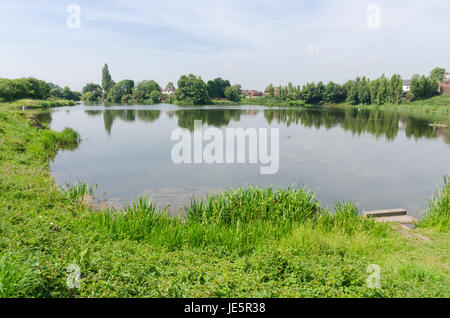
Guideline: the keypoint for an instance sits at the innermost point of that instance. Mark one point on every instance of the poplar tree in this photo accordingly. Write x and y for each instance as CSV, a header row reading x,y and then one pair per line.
x,y
107,82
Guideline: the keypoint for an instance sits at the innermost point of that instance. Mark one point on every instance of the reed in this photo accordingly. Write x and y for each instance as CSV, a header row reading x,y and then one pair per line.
x,y
438,214
78,191
250,204
17,276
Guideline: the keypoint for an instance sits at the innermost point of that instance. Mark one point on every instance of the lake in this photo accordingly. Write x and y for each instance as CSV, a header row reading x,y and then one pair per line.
x,y
378,159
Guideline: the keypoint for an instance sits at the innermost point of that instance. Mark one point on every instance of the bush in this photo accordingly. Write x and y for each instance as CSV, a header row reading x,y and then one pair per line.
x,y
143,90
23,88
126,99
155,96
89,97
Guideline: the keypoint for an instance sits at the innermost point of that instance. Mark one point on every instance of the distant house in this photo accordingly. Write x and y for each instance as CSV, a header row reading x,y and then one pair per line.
x,y
251,93
444,87
406,86
169,90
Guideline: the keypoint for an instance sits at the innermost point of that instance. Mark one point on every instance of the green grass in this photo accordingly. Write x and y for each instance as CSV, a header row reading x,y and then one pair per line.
x,y
37,103
438,105
78,191
18,276
252,204
438,215
224,102
270,102
246,242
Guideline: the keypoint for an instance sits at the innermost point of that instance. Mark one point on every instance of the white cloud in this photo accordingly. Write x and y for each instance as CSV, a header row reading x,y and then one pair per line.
x,y
251,42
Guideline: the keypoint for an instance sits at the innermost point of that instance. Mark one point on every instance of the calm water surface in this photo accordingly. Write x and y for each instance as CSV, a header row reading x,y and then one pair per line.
x,y
380,160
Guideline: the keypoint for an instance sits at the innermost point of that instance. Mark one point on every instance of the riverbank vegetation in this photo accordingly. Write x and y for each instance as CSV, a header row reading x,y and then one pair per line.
x,y
33,93
438,215
435,110
192,90
37,103
246,242
361,91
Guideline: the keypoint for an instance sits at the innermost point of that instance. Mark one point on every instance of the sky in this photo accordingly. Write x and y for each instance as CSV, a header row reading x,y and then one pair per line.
x,y
249,42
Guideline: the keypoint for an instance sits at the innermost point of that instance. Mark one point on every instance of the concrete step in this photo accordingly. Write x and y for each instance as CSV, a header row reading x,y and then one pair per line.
x,y
401,219
385,213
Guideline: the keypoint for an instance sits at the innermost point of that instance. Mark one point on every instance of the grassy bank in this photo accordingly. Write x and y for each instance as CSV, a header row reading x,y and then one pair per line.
x,y
439,105
37,103
246,242
438,215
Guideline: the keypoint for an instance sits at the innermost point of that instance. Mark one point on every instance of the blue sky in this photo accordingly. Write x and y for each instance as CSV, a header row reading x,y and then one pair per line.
x,y
251,42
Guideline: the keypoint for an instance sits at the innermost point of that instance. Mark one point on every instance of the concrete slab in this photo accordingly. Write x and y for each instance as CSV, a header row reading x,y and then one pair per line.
x,y
385,213
401,219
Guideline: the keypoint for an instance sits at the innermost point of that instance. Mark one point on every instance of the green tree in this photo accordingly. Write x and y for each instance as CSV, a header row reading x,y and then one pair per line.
x,y
6,89
271,90
437,74
120,89
396,89
423,87
155,96
192,90
69,94
373,86
107,82
126,99
95,89
313,94
143,90
89,97
216,87
170,86
383,89
334,93
233,93
352,92
364,91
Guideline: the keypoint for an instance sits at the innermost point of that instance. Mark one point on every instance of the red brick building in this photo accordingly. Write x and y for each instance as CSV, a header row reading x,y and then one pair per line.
x,y
251,93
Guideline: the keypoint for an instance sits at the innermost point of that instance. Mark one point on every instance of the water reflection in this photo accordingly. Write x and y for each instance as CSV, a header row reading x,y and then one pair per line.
x,y
212,117
375,122
128,115
330,150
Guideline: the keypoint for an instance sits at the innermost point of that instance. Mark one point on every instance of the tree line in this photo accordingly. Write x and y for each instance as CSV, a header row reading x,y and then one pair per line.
x,y
362,90
13,89
191,90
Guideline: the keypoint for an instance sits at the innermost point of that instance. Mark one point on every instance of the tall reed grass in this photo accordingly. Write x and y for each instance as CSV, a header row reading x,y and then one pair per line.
x,y
17,277
438,214
78,191
250,204
49,142
236,221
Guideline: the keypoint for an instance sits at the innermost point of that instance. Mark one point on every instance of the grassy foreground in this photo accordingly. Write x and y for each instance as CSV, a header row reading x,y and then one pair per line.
x,y
247,242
